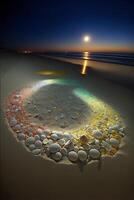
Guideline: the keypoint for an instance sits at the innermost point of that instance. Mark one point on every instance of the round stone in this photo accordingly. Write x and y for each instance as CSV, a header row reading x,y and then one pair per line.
x,y
38,144
32,147
37,137
13,121
94,153
67,136
73,156
17,126
114,142
97,134
21,136
64,151
54,136
30,140
82,155
42,137
61,142
53,148
36,151
57,156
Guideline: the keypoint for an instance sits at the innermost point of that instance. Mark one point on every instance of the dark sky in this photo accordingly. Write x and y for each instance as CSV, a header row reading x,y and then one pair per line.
x,y
61,24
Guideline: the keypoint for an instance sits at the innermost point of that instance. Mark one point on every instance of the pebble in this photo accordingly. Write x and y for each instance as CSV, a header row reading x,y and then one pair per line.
x,y
84,139
76,149
73,156
57,156
53,148
54,136
30,140
37,137
94,153
106,145
36,151
39,131
21,136
42,137
58,133
82,155
32,147
38,144
97,134
61,142
17,126
13,121
69,145
64,151
114,127
114,142
67,136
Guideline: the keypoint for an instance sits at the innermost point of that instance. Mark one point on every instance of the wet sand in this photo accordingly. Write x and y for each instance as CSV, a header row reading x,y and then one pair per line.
x,y
24,176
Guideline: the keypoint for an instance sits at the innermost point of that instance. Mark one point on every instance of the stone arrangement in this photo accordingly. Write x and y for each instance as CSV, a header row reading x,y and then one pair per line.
x,y
59,145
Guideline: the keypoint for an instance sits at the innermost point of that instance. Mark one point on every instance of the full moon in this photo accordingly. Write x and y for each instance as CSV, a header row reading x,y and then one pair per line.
x,y
86,38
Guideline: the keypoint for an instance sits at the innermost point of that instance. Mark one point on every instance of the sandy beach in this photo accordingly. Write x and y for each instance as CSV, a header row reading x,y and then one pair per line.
x,y
25,176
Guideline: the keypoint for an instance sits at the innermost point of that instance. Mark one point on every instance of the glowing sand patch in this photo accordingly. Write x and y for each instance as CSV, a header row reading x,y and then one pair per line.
x,y
102,135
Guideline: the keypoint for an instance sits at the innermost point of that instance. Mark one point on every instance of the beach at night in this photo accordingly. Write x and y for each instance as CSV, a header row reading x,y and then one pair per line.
x,y
66,100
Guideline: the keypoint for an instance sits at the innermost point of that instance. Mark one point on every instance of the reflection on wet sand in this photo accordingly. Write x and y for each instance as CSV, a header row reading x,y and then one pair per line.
x,y
84,67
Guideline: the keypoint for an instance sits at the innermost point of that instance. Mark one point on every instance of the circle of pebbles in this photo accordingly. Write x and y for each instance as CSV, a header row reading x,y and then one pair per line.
x,y
57,145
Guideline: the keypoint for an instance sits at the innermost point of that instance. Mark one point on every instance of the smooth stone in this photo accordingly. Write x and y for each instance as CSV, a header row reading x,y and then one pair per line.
x,y
76,149
54,136
106,145
39,131
32,147
37,137
67,136
21,136
64,151
82,155
13,121
72,156
87,146
42,137
94,153
97,134
61,142
58,133
30,140
36,151
53,148
114,127
97,142
57,156
114,142
38,144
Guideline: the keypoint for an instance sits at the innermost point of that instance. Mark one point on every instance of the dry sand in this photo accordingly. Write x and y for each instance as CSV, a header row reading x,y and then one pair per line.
x,y
24,176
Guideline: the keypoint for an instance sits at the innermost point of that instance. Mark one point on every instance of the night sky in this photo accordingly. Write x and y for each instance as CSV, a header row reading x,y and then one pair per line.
x,y
61,24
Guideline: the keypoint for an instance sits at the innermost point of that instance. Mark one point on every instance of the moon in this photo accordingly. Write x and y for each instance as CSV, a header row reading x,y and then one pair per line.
x,y
86,38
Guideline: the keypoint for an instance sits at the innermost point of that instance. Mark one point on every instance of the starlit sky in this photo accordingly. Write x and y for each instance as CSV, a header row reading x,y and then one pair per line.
x,y
60,25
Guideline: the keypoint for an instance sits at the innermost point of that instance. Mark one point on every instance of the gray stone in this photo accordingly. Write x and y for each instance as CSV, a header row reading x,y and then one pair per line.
x,y
114,142
37,137
42,137
97,134
38,144
32,147
21,136
94,153
53,148
82,155
30,140
57,156
36,151
54,136
13,121
72,156
61,142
